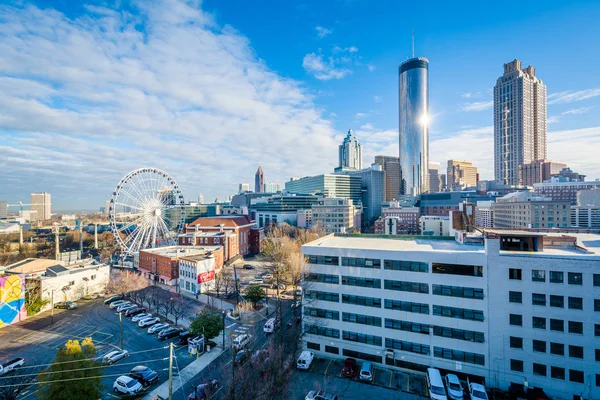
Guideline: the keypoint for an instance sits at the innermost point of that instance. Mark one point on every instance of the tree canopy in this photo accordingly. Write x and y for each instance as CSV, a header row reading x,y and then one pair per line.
x,y
208,319
254,294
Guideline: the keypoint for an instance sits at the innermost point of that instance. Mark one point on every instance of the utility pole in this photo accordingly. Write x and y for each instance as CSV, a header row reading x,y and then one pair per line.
x,y
171,371
223,313
237,290
52,301
121,328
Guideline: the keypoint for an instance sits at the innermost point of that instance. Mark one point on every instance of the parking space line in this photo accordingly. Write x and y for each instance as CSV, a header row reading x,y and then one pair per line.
x,y
330,361
391,376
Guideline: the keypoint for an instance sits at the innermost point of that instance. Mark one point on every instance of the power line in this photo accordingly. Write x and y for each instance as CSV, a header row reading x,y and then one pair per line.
x,y
60,380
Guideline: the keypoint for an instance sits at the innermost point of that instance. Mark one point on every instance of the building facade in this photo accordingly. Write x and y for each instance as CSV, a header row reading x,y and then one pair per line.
x,y
42,204
350,152
232,231
398,220
435,182
243,187
197,272
391,171
433,225
335,215
519,121
484,214
413,94
528,210
442,203
538,171
329,185
259,180
566,191
586,214
461,175
272,187
487,311
3,210
567,175
372,182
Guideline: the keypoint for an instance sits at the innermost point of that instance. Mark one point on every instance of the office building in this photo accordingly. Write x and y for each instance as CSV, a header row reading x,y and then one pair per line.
x,y
243,187
398,220
329,185
281,208
41,202
435,183
336,215
484,214
538,171
350,152
391,171
564,190
443,185
413,93
519,121
200,199
461,175
3,210
304,219
197,269
586,214
259,180
372,182
231,231
529,210
513,307
441,204
272,187
567,175
435,225
191,212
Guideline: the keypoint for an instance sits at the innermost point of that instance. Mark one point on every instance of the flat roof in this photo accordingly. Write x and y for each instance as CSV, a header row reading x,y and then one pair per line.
x,y
181,251
32,265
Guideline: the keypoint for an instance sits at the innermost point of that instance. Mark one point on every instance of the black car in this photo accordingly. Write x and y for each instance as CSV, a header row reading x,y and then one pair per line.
x,y
144,375
183,337
204,390
231,294
113,298
134,311
248,266
168,333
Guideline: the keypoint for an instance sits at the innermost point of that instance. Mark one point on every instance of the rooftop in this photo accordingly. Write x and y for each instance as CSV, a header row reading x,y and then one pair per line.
x,y
32,266
181,251
227,220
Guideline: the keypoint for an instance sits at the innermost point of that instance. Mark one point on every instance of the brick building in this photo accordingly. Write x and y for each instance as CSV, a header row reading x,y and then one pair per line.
x,y
397,220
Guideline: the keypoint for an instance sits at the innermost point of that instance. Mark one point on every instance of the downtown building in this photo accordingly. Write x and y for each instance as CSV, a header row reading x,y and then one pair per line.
x,y
564,191
538,171
586,214
511,307
41,203
259,180
528,210
461,175
350,152
336,215
397,220
391,172
329,185
519,121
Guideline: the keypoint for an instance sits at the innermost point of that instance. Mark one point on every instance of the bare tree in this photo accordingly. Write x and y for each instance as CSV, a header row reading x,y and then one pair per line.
x,y
11,387
179,307
122,282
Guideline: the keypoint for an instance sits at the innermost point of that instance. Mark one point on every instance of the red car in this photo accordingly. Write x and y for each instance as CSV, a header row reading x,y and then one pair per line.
x,y
349,369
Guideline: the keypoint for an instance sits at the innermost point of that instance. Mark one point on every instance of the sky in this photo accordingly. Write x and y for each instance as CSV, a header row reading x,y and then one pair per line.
x,y
207,91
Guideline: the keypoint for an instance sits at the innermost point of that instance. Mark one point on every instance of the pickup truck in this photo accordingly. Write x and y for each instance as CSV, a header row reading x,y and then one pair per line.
x,y
8,366
477,391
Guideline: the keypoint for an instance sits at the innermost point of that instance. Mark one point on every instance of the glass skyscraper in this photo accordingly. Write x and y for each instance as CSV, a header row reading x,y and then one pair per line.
x,y
413,91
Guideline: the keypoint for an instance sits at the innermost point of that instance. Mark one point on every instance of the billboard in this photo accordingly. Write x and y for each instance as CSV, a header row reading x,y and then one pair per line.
x,y
12,299
206,276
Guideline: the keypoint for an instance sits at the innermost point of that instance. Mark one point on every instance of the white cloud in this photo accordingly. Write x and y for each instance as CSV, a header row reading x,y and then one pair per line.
x,y
367,127
570,96
469,95
323,70
377,99
577,111
578,148
371,67
552,120
361,115
322,32
338,49
477,106
84,100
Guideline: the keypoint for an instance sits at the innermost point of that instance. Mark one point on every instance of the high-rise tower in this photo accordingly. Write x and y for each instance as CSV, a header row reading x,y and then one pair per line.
x,y
259,181
413,94
519,121
350,152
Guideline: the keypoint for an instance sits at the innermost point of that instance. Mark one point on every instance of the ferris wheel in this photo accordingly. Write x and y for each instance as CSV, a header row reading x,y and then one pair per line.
x,y
146,210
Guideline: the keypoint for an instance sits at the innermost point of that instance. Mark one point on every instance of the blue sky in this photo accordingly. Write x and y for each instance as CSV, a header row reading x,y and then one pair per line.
x,y
207,91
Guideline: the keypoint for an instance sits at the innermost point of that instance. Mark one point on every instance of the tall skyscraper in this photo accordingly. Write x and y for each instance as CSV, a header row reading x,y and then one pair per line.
x,y
259,181
413,94
244,187
391,170
41,202
435,184
272,187
350,153
200,199
461,175
519,121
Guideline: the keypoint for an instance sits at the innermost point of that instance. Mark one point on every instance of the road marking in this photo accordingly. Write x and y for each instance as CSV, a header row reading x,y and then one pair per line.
x,y
328,365
229,326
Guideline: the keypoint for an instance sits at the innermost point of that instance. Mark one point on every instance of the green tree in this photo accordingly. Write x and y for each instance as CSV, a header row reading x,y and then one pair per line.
x,y
254,294
75,374
208,322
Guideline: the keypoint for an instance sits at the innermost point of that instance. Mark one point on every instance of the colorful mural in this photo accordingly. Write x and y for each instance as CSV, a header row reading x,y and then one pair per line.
x,y
12,299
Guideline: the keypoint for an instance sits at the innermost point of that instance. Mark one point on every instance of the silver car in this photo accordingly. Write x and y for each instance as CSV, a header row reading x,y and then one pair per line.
x,y
114,356
157,328
140,317
148,321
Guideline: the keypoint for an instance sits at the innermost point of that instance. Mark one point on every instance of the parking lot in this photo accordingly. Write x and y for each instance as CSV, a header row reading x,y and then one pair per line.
x,y
261,268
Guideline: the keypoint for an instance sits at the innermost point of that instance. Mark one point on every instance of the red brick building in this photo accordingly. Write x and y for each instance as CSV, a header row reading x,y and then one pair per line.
x,y
397,220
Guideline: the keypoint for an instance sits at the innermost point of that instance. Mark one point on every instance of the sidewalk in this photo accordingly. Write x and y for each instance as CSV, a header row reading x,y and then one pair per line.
x,y
185,375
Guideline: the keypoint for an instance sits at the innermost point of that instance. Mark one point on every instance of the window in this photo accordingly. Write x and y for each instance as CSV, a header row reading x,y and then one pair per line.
x,y
597,354
419,308
454,312
516,365
596,279
407,326
538,323
596,329
322,313
557,373
515,273
575,327
557,349
324,296
410,266
456,355
516,319
575,351
361,319
539,346
403,286
515,297
597,305
361,282
361,301
407,346
576,303
71,283
598,380
458,291
93,277
557,301
313,346
557,325
332,350
539,369
538,299
575,376
322,278
361,356
516,342
575,278
456,269
538,275
557,277
361,262
361,338
325,260
322,331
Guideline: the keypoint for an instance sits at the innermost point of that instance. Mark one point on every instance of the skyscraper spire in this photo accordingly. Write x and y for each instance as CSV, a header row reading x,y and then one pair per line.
x,y
350,152
259,181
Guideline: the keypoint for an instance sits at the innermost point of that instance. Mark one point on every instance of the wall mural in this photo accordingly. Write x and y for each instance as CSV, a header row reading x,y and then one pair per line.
x,y
12,299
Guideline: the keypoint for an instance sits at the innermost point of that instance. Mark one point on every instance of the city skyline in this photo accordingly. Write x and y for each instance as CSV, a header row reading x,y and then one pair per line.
x,y
96,122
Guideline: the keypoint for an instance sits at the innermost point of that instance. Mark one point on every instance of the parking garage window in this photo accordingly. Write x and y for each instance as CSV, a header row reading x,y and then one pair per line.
x,y
361,282
313,346
460,334
361,300
332,350
361,319
324,296
361,356
457,269
361,262
410,266
457,355
458,291
361,338
407,326
322,331
407,346
455,312
408,306
322,313
323,260
403,286
322,278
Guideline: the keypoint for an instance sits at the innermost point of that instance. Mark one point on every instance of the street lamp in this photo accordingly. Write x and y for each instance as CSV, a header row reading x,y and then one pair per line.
x,y
121,328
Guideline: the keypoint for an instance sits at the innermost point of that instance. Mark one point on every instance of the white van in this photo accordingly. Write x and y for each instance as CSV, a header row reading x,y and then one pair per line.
x,y
241,341
435,384
271,325
305,360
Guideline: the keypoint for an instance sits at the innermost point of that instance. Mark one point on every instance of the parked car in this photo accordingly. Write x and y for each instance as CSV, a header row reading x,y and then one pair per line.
x,y
271,325
8,366
435,384
144,375
113,299
148,321
366,372
242,356
231,294
320,395
184,336
140,316
248,266
204,390
157,328
477,391
168,333
118,303
453,387
114,356
349,368
126,385
256,281
305,360
274,286
67,305
267,277
88,297
241,341
135,311
296,305
125,307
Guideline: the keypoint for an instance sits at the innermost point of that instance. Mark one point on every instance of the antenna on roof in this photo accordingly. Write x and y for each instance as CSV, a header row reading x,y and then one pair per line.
x,y
413,43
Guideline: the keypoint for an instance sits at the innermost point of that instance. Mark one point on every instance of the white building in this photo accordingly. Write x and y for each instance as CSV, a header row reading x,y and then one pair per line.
x,y
304,219
272,187
244,187
9,227
42,203
197,273
335,215
434,225
586,214
514,307
484,214
350,152
267,218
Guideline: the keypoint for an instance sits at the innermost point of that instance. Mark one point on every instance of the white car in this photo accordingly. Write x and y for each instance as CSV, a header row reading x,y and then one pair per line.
x,y
148,321
477,391
126,385
114,356
140,317
118,303
320,395
453,386
257,281
267,276
125,307
157,328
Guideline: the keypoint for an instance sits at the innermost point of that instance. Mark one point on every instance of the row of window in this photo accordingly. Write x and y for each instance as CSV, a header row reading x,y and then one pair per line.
x,y
539,275
361,319
555,372
322,313
539,299
457,355
555,324
322,331
407,346
361,301
403,286
455,312
409,266
324,296
325,260
361,282
362,338
407,326
322,278
458,291
456,269
361,262
408,306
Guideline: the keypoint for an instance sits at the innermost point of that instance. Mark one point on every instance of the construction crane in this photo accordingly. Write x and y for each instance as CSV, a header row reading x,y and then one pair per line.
x,y
20,205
